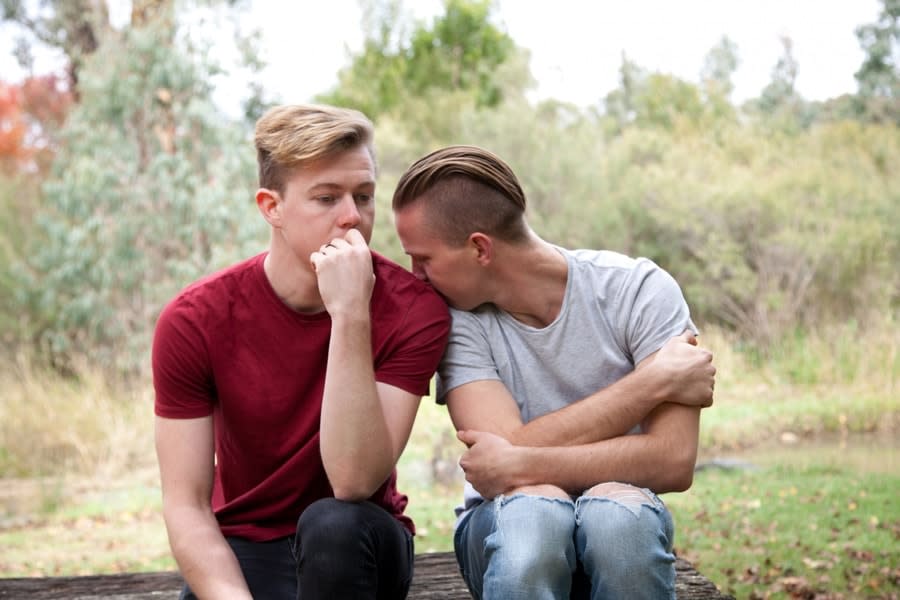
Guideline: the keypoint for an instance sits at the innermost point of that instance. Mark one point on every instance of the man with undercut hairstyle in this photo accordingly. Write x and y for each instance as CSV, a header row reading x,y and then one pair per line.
x,y
574,378
287,385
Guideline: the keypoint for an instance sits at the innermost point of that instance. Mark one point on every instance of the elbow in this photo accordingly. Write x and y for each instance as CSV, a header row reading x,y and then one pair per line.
x,y
679,471
682,481
356,480
350,493
354,489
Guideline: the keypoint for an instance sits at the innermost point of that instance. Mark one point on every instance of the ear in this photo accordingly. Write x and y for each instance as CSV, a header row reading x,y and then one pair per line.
x,y
269,204
483,246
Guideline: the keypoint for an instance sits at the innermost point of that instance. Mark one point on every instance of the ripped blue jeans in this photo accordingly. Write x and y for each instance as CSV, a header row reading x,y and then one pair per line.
x,y
534,547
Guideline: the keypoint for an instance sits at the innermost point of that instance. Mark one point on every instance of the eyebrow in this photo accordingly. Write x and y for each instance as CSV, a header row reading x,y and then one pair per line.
x,y
327,185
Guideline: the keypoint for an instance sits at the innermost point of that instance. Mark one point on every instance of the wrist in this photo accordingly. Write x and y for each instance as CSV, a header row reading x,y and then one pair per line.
x,y
351,318
524,470
654,384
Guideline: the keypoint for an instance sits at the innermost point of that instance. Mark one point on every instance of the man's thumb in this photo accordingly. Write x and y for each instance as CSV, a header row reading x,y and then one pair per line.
x,y
466,437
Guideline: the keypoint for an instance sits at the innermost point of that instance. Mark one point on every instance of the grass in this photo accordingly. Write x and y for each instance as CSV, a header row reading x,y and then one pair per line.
x,y
784,532
94,527
80,493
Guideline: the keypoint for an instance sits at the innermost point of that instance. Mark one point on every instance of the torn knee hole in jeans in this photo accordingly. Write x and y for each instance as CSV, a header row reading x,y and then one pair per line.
x,y
627,496
503,500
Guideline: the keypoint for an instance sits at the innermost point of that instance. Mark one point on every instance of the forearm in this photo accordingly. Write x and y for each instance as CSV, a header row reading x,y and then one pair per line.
x,y
606,414
640,460
355,443
204,558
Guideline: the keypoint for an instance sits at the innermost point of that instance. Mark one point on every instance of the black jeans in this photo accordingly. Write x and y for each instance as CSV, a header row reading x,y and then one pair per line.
x,y
341,550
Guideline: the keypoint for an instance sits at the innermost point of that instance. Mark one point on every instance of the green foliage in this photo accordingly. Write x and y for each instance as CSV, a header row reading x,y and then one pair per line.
x,y
151,190
879,75
781,89
459,51
775,217
666,101
659,101
619,105
73,28
16,196
764,233
719,67
780,108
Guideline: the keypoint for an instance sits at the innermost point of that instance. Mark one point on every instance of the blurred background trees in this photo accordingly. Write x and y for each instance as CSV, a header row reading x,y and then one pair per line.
x,y
121,180
148,188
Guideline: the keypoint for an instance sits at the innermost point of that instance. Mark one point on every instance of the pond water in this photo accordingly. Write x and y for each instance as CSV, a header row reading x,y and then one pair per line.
x,y
869,453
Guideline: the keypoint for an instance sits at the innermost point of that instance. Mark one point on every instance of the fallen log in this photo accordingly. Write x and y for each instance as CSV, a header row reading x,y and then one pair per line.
x,y
436,577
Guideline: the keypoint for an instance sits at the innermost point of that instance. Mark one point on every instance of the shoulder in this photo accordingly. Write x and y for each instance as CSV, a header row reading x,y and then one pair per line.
x,y
213,293
484,321
603,260
226,278
391,272
399,283
613,268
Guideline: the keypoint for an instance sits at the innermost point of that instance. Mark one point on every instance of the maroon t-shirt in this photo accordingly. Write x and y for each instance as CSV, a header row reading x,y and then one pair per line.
x,y
229,347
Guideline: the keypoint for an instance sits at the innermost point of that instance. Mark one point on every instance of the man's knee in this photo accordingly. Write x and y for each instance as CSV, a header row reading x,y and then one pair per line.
x,y
526,525
624,512
545,490
345,547
621,493
611,498
329,522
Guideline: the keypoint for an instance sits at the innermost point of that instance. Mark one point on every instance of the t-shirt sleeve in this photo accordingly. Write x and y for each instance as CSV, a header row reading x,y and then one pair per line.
x,y
181,374
415,357
468,356
652,310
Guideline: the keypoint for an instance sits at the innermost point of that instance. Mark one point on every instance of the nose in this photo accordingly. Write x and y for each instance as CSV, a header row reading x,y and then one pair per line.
x,y
349,215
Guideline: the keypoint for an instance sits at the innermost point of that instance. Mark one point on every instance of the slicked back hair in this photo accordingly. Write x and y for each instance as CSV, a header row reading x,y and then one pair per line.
x,y
465,189
292,136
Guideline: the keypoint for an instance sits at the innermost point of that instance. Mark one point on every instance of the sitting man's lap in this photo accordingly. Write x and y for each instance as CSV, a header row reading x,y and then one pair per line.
x,y
341,550
615,537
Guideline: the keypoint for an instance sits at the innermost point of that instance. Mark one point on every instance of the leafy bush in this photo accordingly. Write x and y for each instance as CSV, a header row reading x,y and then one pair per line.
x,y
151,190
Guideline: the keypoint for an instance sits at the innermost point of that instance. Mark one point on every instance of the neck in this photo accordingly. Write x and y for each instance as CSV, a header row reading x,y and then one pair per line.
x,y
532,285
294,283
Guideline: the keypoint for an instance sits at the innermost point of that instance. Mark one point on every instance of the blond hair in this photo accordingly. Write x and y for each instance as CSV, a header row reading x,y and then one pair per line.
x,y
291,136
465,189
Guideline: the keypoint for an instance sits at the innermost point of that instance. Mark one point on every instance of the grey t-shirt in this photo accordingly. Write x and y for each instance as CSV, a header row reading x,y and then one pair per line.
x,y
616,312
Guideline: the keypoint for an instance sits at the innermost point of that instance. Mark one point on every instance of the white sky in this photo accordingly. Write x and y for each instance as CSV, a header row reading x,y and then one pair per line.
x,y
576,45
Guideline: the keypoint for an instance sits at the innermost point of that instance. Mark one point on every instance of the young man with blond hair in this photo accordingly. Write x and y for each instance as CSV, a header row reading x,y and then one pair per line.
x,y
287,385
574,379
